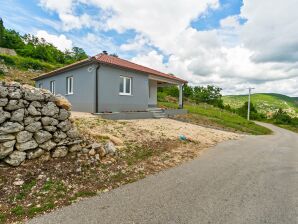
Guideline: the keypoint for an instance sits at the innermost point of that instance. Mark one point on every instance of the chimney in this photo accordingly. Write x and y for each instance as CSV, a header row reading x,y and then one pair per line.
x,y
105,52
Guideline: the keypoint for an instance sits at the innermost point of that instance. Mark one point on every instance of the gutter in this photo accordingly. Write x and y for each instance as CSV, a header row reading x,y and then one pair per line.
x,y
96,88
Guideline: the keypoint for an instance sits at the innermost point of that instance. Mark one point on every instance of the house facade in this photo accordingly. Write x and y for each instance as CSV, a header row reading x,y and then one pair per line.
x,y
105,83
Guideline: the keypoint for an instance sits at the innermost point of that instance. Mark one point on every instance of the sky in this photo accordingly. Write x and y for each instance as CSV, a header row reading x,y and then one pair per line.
x,y
233,44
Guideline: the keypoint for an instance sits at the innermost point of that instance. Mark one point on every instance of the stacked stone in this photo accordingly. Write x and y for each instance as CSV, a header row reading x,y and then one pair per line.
x,y
34,122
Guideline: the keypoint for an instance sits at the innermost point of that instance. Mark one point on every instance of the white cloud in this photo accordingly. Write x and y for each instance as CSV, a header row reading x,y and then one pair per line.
x,y
61,41
262,52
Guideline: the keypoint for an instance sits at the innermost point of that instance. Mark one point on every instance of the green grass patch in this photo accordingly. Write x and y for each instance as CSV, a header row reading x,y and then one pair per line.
x,y
18,210
32,211
221,118
136,154
25,63
2,218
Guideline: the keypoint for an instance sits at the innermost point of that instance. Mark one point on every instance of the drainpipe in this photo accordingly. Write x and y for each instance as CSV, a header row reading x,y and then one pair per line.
x,y
96,88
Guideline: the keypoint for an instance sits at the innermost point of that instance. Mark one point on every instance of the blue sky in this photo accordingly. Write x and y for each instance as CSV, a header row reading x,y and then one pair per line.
x,y
229,43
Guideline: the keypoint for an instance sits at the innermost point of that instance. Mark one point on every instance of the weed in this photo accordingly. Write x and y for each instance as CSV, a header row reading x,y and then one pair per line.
x,y
2,218
18,210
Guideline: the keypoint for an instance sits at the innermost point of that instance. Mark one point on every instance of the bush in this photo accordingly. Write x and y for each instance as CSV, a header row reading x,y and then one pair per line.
x,y
281,117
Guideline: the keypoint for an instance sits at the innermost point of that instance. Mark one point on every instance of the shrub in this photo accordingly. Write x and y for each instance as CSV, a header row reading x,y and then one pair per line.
x,y
281,117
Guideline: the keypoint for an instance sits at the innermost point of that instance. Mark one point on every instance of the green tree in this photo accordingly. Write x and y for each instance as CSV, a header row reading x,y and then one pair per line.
x,y
210,94
281,117
187,91
2,29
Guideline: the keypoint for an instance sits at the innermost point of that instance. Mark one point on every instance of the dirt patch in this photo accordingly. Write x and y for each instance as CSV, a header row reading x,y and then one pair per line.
x,y
144,147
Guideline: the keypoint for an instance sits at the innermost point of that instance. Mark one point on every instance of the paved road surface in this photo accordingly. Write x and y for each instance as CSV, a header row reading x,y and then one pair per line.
x,y
253,180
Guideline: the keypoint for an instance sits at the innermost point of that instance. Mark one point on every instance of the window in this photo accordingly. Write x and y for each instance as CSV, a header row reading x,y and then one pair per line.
x,y
40,85
52,87
69,85
125,86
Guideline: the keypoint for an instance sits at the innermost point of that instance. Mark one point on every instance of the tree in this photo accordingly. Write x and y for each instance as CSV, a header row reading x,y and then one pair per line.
x,y
254,114
187,91
210,94
281,117
79,53
2,29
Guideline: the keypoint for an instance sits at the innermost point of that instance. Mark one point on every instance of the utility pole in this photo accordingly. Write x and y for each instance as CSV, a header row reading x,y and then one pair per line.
x,y
248,109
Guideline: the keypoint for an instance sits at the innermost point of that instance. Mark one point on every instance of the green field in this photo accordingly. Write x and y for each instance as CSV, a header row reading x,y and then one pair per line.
x,y
207,115
266,103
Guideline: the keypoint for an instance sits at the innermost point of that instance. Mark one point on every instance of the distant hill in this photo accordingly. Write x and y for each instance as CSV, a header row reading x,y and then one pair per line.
x,y
266,103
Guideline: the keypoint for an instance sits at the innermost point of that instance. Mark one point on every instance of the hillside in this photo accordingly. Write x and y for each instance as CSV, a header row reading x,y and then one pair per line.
x,y
265,102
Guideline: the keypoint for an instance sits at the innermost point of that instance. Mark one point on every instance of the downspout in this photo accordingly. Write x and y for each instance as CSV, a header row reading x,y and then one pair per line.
x,y
96,88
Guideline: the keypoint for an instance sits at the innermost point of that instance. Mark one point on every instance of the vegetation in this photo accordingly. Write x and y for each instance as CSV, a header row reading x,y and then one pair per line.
x,y
284,120
212,116
33,52
266,103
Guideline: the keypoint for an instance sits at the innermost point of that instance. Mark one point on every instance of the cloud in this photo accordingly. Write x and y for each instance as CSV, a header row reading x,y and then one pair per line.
x,y
61,41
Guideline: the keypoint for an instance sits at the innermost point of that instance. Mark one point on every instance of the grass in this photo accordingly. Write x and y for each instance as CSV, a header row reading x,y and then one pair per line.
x,y
288,127
265,102
213,116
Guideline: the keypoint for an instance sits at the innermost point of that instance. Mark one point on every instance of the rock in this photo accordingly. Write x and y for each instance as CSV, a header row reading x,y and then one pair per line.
x,y
62,102
33,127
27,145
96,146
73,133
97,157
110,148
59,135
63,115
65,125
75,148
6,148
28,120
10,127
49,121
7,137
4,115
15,94
15,158
35,153
3,102
42,136
18,115
92,152
32,110
32,94
3,91
36,104
50,128
18,183
50,109
24,136
60,151
14,105
49,145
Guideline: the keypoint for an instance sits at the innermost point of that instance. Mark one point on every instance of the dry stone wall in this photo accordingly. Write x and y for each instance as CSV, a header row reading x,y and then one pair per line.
x,y
34,122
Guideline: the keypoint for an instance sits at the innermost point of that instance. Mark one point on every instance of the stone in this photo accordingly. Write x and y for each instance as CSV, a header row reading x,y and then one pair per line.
x,y
4,115
27,145
85,150
95,145
65,125
50,128
97,157
59,135
24,136
50,109
49,121
32,94
18,183
73,133
15,158
6,148
3,102
10,127
60,151
62,102
18,115
110,148
42,136
75,148
48,146
15,94
14,105
36,104
63,115
28,120
92,152
35,153
7,137
32,110
36,126
3,91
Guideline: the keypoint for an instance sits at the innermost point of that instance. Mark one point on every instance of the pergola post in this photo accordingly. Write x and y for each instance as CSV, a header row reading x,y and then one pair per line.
x,y
180,96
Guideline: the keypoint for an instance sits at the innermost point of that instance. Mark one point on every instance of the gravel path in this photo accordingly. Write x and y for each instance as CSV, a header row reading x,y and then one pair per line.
x,y
251,180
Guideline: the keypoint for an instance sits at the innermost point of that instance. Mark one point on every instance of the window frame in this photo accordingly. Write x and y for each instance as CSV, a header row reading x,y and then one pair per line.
x,y
53,87
124,93
68,85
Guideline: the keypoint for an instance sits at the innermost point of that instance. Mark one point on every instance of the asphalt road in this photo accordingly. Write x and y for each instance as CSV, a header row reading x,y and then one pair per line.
x,y
252,180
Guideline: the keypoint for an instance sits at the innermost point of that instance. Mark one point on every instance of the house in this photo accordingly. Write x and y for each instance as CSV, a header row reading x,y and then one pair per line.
x,y
105,83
